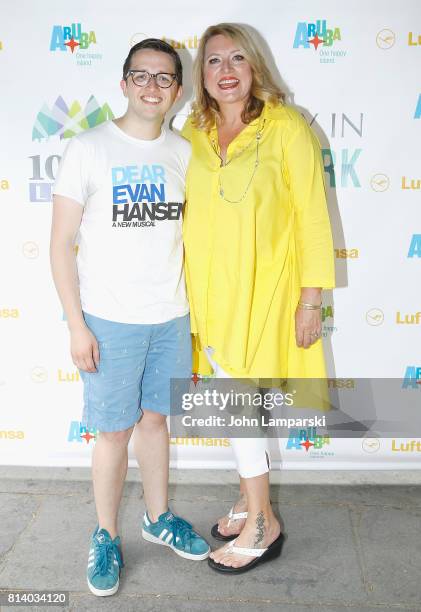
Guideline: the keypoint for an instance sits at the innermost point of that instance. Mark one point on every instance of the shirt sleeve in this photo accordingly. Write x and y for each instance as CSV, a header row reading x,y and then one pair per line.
x,y
185,156
73,173
304,169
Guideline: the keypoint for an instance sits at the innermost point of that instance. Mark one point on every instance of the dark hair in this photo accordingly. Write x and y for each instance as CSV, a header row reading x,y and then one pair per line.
x,y
157,45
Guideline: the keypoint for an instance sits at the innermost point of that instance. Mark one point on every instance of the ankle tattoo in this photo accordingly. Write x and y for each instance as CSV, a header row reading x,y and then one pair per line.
x,y
260,528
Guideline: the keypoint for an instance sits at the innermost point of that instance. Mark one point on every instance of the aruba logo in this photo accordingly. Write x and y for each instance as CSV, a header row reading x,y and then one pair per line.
x,y
300,439
418,108
78,432
412,377
315,33
327,312
415,246
64,38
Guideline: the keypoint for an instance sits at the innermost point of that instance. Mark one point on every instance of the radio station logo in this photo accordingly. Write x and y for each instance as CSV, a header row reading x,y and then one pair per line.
x,y
75,40
43,176
79,432
315,34
309,441
412,378
415,246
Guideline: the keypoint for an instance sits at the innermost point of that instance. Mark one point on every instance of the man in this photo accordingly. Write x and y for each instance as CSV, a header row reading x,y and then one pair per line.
x,y
121,185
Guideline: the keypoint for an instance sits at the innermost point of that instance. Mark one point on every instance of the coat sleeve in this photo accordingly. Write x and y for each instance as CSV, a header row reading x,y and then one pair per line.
x,y
314,246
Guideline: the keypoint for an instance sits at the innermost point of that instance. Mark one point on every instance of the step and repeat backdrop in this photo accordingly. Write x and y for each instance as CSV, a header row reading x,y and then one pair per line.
x,y
353,69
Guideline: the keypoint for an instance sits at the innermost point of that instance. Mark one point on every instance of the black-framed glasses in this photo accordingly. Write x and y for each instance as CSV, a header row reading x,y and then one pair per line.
x,y
141,78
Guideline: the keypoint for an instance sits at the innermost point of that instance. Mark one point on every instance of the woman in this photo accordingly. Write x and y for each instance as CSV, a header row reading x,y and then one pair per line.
x,y
258,251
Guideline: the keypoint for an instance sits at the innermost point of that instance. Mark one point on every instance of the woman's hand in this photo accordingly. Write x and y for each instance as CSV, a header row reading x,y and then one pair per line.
x,y
308,326
308,323
84,348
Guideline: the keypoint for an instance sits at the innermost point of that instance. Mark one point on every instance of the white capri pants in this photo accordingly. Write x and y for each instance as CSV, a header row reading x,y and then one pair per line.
x,y
251,454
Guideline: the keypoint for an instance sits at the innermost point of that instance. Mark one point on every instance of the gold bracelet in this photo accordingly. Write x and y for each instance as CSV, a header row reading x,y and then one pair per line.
x,y
307,306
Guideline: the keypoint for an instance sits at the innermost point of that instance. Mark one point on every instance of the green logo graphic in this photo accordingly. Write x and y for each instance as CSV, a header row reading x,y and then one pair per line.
x,y
64,121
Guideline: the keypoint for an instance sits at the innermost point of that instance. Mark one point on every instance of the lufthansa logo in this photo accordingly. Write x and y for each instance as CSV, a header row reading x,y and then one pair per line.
x,y
374,317
385,39
39,374
370,445
379,182
30,250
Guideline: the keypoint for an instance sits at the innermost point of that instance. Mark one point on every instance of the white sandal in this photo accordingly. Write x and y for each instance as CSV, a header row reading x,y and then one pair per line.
x,y
260,556
232,516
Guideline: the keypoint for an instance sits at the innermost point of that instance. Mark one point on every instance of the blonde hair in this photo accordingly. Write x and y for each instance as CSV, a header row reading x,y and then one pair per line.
x,y
205,109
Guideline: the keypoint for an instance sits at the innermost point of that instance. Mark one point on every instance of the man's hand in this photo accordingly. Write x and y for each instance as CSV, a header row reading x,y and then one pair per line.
x,y
308,323
84,349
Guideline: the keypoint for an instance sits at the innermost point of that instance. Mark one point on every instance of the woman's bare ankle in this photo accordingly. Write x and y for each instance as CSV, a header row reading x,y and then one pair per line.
x,y
241,504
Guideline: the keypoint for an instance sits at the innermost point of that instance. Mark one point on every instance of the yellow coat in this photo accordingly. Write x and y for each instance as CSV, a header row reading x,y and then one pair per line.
x,y
246,262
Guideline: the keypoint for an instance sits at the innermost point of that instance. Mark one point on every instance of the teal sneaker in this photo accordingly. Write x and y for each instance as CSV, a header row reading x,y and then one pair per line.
x,y
176,533
104,563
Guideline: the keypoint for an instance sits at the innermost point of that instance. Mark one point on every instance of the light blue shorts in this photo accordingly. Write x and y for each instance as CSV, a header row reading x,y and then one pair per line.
x,y
137,363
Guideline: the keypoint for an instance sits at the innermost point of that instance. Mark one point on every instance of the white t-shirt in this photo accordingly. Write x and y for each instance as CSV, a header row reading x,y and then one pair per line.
x,y
130,255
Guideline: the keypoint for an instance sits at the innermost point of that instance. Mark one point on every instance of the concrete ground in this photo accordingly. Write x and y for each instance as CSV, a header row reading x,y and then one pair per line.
x,y
354,547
